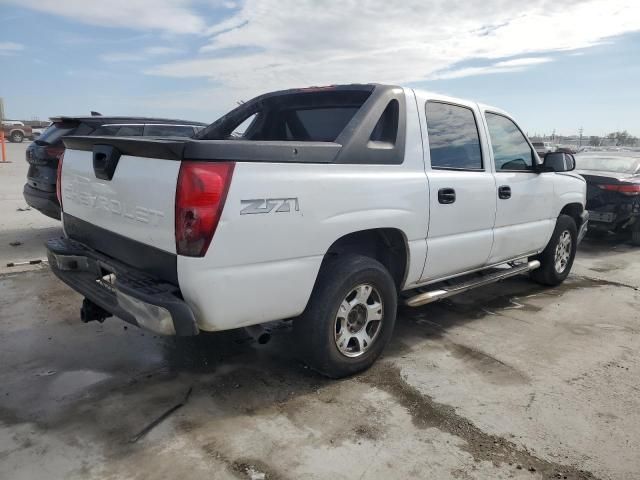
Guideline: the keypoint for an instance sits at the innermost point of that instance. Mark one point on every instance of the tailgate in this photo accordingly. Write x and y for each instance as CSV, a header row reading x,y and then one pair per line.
x,y
137,202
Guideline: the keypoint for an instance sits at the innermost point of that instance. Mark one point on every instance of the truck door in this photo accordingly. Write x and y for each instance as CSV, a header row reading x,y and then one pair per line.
x,y
525,197
462,191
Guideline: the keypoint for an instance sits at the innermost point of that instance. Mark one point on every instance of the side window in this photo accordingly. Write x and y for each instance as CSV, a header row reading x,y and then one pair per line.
x,y
454,141
241,129
386,130
151,130
106,130
130,131
511,150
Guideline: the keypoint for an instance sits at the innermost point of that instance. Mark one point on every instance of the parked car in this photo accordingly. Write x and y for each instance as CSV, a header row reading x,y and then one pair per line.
x,y
37,131
613,192
542,148
566,149
329,204
42,155
15,131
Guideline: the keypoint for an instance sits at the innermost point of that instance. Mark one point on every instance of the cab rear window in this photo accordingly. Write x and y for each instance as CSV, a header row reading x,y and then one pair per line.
x,y
314,115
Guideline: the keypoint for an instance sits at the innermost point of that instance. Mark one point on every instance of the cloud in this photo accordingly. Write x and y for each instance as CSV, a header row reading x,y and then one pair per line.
x,y
505,66
10,48
173,16
275,44
522,62
140,56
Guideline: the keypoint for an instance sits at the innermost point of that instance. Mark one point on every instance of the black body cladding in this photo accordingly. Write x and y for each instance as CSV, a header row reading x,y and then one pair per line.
x,y
375,134
158,263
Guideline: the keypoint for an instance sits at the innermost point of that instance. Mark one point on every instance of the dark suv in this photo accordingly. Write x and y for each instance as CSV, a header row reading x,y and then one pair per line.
x,y
43,154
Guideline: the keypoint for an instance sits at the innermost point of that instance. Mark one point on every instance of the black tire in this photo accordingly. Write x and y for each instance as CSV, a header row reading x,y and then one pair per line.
x,y
547,273
635,234
315,331
16,137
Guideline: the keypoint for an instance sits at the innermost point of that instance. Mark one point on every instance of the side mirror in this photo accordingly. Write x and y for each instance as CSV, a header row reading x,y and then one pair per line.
x,y
558,162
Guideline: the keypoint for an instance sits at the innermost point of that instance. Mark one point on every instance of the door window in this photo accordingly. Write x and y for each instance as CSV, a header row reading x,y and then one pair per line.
x,y
511,151
151,130
130,131
454,142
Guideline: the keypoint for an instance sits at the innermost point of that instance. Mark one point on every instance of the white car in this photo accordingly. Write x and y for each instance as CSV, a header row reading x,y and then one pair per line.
x,y
332,202
542,148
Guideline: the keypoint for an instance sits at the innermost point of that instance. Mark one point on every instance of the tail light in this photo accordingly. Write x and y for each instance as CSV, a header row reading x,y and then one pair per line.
x,y
630,189
200,196
59,179
54,152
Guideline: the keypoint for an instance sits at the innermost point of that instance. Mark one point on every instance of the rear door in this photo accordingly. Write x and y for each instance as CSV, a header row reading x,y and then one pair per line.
x,y
462,190
525,198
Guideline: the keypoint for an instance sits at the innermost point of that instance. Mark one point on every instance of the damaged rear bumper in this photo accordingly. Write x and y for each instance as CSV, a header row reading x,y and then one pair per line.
x,y
584,225
130,294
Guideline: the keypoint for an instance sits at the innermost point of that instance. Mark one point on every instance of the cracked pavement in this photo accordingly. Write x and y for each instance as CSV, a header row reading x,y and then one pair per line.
x,y
508,381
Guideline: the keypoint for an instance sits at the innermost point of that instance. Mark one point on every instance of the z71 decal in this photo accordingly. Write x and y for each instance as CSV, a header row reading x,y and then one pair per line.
x,y
266,205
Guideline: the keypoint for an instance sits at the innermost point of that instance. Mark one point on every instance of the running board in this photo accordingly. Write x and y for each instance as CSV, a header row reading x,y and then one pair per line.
x,y
439,294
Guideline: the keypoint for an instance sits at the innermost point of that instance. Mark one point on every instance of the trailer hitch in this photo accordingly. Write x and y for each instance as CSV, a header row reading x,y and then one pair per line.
x,y
90,311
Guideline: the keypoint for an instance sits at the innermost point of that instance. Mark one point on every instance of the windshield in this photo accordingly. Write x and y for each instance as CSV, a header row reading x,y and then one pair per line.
x,y
608,163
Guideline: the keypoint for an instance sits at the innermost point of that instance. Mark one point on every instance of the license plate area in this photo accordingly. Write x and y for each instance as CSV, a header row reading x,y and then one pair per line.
x,y
107,279
606,217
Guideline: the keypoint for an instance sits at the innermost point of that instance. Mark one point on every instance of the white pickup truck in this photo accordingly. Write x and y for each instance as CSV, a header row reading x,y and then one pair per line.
x,y
323,205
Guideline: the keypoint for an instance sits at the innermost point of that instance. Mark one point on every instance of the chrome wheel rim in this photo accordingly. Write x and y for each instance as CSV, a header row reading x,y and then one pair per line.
x,y
563,251
358,321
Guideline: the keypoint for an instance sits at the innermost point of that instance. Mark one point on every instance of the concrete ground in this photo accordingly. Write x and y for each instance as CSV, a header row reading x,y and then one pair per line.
x,y
508,381
21,226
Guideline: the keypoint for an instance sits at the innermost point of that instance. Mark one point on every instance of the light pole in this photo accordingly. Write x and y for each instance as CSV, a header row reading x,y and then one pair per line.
x,y
580,138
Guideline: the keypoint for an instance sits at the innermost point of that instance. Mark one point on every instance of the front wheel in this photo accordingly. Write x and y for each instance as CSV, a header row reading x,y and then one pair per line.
x,y
557,258
350,316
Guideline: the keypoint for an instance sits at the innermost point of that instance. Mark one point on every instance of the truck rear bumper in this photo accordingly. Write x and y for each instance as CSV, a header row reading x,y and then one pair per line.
x,y
583,225
45,202
130,294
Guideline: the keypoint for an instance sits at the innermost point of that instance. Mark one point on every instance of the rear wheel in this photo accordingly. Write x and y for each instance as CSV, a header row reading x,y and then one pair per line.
x,y
557,258
350,316
16,137
635,233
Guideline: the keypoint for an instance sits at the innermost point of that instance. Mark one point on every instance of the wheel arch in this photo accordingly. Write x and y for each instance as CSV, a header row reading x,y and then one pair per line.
x,y
573,210
387,245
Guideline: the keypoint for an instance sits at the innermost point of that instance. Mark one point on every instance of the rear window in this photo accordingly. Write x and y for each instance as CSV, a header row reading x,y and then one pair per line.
x,y
168,130
314,115
318,124
54,133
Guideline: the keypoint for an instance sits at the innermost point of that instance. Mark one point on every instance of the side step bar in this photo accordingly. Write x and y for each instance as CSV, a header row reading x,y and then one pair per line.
x,y
439,294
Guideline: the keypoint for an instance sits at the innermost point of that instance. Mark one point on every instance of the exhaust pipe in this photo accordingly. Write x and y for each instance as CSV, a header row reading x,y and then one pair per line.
x,y
259,333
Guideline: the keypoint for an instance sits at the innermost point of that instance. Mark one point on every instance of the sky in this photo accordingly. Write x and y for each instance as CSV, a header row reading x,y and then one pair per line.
x,y
554,64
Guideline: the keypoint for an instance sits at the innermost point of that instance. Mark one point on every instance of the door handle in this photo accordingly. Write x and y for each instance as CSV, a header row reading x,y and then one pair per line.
x,y
446,196
504,192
